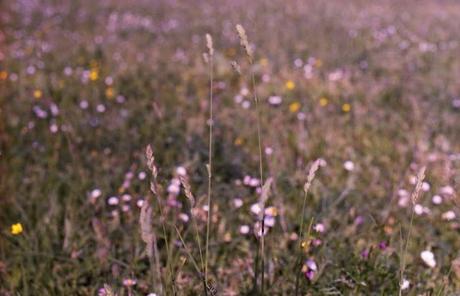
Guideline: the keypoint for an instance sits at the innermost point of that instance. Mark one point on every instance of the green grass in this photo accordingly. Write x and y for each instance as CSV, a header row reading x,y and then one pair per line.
x,y
396,64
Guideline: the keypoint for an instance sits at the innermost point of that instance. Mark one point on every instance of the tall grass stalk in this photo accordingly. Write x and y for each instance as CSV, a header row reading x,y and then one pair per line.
x,y
149,237
191,200
210,47
414,197
249,53
154,189
311,175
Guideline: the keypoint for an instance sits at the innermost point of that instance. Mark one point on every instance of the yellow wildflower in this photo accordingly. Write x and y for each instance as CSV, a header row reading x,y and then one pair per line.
x,y
323,102
346,107
38,94
290,85
294,107
16,229
94,75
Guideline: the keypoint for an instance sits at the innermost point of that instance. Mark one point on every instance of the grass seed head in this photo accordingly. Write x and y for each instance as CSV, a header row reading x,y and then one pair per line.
x,y
418,186
311,175
188,190
244,40
209,45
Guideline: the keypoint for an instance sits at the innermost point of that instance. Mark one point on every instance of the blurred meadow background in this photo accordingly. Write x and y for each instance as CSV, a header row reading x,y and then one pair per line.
x,y
354,99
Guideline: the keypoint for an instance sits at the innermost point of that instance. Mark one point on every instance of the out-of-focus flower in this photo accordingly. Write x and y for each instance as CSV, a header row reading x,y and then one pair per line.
x,y
294,107
428,258
426,186
93,75
449,215
244,229
310,269
3,75
275,100
16,229
268,150
113,201
255,209
365,254
301,116
246,104
237,202
349,165
420,210
290,85
405,284
109,93
319,228
181,171
298,63
84,104
184,217
126,197
174,186
323,101
269,221
258,229
129,282
346,107
140,203
447,190
436,199
271,211
142,175
238,141
38,94
100,108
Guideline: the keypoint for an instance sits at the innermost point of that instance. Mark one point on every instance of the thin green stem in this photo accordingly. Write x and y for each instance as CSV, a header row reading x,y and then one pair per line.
x,y
261,173
300,257
403,265
209,167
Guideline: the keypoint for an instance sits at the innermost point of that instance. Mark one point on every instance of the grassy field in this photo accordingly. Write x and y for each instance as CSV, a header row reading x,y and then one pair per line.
x,y
335,156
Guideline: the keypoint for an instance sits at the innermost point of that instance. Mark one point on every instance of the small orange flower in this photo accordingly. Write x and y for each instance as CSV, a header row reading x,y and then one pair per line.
x,y
3,75
238,141
109,93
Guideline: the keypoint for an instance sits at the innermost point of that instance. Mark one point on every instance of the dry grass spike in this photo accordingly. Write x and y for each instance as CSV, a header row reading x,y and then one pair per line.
x,y
244,40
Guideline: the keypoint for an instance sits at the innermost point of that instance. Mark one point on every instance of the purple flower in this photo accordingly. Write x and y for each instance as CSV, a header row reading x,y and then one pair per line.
x,y
312,268
310,274
365,254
